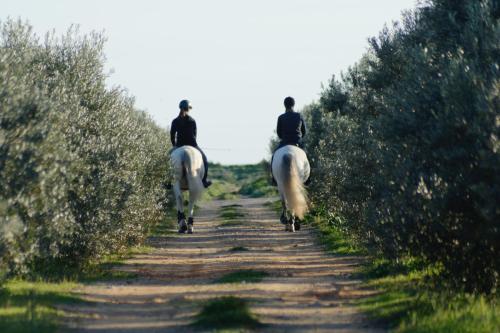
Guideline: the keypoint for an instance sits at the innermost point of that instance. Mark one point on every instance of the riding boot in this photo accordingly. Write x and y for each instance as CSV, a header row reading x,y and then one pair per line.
x,y
206,182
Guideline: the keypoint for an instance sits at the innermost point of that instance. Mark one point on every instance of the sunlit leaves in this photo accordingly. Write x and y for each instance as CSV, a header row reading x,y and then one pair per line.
x,y
81,169
405,146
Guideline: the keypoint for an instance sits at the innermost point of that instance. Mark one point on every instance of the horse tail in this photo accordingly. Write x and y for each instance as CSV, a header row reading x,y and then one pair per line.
x,y
293,189
193,179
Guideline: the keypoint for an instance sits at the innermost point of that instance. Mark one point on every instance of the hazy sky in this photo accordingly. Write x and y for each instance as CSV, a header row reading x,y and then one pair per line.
x,y
235,60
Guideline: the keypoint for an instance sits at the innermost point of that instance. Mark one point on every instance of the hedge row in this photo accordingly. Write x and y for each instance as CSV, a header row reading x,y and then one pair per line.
x,y
405,146
81,169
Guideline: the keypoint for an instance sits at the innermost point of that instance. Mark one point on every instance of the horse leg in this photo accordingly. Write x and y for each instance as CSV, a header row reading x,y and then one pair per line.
x,y
181,218
286,218
190,225
297,224
291,224
283,218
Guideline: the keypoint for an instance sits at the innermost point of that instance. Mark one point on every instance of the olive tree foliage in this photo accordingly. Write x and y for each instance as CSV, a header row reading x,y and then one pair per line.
x,y
81,169
405,147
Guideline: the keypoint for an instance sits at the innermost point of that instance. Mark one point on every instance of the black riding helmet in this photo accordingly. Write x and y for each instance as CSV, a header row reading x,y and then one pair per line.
x,y
185,105
289,102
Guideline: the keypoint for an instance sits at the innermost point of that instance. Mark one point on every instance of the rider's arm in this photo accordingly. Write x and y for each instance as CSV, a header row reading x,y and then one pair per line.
x,y
278,128
195,130
173,130
303,126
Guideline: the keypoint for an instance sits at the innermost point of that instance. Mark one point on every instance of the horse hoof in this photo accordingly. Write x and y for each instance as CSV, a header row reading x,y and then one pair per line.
x,y
190,227
182,227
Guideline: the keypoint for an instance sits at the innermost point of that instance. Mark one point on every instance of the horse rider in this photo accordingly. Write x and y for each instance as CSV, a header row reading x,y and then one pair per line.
x,y
291,128
183,133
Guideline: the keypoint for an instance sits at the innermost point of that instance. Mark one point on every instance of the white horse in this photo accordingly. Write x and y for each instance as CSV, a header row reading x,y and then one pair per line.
x,y
188,170
291,169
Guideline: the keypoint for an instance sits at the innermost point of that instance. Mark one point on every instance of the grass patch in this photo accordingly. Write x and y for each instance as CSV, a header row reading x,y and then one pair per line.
x,y
166,227
221,190
106,271
248,276
233,181
226,313
29,306
238,249
107,268
333,239
230,215
330,235
407,303
258,187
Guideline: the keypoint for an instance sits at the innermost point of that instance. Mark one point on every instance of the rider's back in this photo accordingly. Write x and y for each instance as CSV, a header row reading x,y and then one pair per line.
x,y
291,127
185,128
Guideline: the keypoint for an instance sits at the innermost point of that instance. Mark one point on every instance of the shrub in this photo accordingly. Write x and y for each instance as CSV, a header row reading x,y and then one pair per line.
x,y
406,149
81,168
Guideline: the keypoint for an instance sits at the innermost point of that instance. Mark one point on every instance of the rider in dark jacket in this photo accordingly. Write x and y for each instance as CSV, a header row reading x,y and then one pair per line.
x,y
183,133
291,128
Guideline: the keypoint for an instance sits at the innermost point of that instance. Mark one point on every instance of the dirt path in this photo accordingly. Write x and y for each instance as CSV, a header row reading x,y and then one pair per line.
x,y
306,290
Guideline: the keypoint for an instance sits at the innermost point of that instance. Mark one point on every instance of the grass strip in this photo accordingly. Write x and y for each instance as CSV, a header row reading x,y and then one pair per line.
x,y
407,303
238,249
408,299
29,306
226,313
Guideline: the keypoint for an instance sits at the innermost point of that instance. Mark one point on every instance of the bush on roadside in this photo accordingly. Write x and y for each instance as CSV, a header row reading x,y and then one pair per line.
x,y
405,146
81,169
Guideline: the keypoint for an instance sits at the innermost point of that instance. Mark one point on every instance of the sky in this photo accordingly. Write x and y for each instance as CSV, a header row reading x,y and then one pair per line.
x,y
234,60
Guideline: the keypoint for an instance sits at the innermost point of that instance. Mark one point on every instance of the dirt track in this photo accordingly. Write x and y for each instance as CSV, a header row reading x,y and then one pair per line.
x,y
306,290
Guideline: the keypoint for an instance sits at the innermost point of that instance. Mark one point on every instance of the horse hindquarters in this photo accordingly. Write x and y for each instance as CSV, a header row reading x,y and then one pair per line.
x,y
195,185
292,187
188,168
